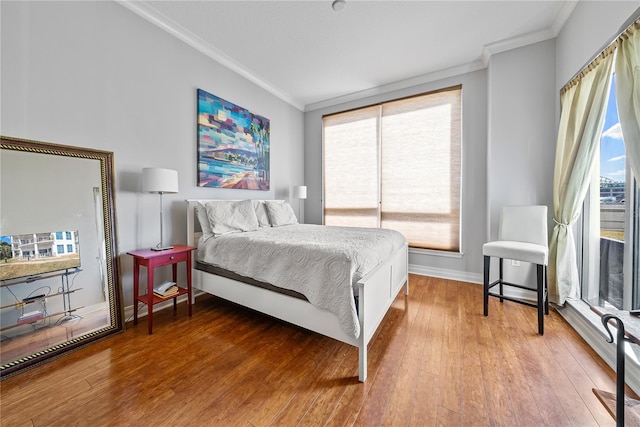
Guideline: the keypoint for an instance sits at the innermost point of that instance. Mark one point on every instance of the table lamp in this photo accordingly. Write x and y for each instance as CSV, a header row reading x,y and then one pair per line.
x,y
161,181
299,192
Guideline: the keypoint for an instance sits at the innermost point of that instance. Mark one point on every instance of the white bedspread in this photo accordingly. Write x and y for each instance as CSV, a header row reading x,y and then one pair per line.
x,y
321,262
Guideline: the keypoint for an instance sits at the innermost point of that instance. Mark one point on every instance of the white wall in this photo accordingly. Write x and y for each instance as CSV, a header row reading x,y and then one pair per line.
x,y
592,25
468,267
508,149
94,74
522,136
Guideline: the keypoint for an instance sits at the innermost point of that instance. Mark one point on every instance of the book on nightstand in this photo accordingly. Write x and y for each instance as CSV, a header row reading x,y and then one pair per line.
x,y
165,289
173,291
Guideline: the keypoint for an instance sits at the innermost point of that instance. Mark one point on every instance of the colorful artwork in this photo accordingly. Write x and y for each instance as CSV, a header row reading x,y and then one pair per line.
x,y
233,145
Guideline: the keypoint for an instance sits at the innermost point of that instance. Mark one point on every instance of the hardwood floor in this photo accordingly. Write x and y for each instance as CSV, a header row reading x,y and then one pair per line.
x,y
435,360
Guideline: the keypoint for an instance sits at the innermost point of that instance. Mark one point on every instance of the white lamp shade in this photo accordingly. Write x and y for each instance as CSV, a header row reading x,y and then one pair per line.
x,y
158,180
300,192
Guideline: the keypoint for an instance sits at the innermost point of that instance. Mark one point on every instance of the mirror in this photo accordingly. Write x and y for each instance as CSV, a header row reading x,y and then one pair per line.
x,y
59,286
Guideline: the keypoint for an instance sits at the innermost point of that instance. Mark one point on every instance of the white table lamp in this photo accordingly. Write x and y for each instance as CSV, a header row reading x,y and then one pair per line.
x,y
299,192
161,181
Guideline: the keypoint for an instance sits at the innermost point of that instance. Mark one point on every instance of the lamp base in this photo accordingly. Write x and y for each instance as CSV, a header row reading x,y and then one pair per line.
x,y
163,248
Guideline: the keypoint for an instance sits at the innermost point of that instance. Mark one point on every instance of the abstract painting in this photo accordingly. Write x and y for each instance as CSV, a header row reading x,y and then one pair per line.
x,y
233,145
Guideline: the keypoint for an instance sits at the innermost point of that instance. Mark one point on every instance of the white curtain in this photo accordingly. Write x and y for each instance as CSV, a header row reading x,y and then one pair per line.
x,y
628,93
583,103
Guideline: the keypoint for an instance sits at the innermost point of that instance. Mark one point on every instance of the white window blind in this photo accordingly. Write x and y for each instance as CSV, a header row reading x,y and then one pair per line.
x,y
413,183
351,168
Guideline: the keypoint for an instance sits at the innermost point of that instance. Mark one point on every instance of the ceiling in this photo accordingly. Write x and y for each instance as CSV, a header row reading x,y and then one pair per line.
x,y
312,56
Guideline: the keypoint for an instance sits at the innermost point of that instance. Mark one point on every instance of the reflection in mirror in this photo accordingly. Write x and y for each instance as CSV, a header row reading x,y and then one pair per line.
x,y
59,284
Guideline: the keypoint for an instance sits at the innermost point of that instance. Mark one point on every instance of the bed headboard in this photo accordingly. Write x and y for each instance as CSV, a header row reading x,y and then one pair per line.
x,y
193,225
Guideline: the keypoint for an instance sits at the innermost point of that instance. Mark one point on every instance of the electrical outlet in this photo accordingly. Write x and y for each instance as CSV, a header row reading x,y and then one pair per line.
x,y
515,263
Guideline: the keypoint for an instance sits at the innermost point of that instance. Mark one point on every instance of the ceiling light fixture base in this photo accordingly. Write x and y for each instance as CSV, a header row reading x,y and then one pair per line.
x,y
338,5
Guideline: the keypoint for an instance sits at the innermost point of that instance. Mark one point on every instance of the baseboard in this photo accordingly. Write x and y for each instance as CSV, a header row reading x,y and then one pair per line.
x,y
463,276
142,308
84,311
443,273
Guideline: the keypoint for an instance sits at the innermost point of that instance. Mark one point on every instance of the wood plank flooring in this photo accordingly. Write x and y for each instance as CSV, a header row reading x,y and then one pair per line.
x,y
435,360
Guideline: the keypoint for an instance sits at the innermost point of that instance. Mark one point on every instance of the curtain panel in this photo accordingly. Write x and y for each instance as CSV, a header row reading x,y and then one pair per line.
x,y
583,105
627,68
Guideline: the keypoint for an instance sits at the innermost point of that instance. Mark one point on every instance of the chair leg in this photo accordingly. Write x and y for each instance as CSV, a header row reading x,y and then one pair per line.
x,y
501,277
487,263
541,304
546,291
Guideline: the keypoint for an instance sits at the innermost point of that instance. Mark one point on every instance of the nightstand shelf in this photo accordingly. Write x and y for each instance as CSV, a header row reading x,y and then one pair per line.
x,y
156,299
151,259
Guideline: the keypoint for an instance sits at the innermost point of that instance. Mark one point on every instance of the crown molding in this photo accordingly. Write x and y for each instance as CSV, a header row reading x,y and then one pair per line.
x,y
147,12
401,84
142,9
488,50
515,42
563,16
565,11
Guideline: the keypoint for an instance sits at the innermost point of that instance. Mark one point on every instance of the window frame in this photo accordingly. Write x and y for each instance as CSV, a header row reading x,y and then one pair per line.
x,y
588,240
455,252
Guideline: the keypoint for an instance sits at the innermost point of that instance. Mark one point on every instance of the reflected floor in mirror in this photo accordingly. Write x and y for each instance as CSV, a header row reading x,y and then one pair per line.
x,y
54,332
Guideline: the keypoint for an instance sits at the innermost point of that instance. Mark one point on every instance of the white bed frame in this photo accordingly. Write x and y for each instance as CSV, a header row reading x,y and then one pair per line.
x,y
377,291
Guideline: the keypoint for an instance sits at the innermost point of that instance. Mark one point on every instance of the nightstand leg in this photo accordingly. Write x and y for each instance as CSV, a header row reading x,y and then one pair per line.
x,y
174,270
150,298
136,284
189,288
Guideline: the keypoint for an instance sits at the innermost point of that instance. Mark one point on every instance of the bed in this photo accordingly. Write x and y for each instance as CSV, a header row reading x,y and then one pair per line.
x,y
353,319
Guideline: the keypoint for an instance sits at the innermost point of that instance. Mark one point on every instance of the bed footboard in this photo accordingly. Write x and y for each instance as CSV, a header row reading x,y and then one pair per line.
x,y
377,291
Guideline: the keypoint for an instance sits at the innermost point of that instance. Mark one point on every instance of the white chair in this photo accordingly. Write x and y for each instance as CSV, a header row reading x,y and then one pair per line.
x,y
523,236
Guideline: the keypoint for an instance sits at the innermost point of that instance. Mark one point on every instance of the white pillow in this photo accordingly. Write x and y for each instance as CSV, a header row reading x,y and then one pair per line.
x,y
261,213
203,219
231,216
280,213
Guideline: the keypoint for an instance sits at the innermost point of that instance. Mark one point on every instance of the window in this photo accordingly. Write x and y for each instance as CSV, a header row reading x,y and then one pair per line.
x,y
397,165
60,249
69,249
58,235
610,221
68,234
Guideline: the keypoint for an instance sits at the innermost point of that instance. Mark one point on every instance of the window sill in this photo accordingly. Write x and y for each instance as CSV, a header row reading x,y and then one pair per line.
x,y
589,326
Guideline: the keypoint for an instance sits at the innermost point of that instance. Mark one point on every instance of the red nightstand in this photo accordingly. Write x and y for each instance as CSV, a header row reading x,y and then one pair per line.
x,y
152,259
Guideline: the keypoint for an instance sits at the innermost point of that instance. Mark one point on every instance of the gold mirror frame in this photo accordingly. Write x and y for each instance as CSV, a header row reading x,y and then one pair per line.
x,y
114,313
